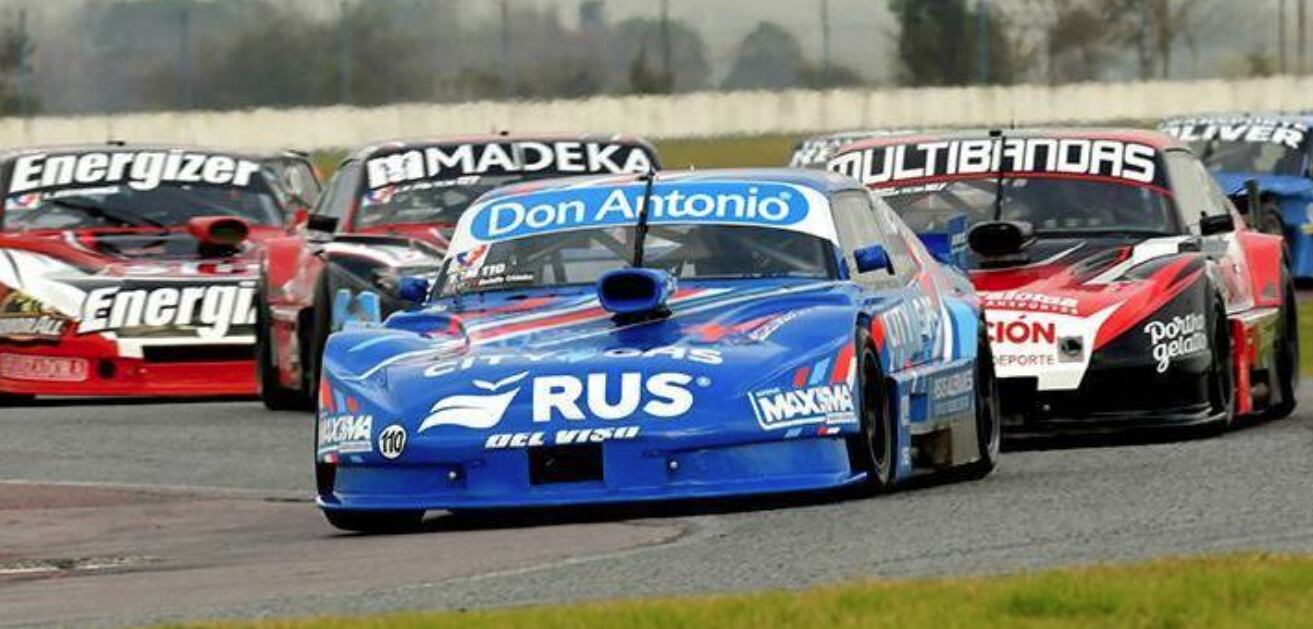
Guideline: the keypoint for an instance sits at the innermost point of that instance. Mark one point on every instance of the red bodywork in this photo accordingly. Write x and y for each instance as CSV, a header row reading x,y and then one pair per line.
x,y
161,360
295,265
1108,292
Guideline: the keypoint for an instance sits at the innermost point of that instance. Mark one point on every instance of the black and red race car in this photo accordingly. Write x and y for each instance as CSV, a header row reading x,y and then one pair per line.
x,y
131,270
1120,284
387,213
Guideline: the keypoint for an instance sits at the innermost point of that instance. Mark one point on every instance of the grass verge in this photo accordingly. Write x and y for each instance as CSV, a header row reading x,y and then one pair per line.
x,y
1235,590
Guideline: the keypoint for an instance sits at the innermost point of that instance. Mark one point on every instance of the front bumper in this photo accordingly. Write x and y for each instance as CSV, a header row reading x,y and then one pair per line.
x,y
622,472
64,371
1108,401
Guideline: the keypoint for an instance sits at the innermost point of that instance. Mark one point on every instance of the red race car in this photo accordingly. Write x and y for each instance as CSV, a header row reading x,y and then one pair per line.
x,y
1121,286
387,213
131,270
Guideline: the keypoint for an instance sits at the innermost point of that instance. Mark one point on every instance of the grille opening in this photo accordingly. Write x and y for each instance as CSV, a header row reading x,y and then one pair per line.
x,y
198,353
565,464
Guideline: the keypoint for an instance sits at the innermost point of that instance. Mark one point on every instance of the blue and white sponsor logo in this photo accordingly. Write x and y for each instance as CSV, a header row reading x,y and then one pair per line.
x,y
758,204
821,404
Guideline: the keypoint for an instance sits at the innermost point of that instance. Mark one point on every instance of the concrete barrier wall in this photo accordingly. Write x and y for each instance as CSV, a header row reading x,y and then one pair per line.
x,y
689,115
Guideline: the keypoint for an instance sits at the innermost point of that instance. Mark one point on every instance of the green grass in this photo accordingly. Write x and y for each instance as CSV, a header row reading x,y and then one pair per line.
x,y
746,151
1252,590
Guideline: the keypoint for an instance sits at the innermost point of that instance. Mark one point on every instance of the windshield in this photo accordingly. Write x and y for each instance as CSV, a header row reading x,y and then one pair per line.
x,y
684,251
168,205
1055,207
1250,157
429,202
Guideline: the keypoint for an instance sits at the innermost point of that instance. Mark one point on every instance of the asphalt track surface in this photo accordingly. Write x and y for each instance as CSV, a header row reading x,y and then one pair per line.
x,y
139,513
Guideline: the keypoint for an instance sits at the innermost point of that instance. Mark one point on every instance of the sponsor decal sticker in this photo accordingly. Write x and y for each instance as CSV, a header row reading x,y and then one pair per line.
x,y
448,162
43,368
953,393
1288,133
1180,337
213,310
347,433
887,165
566,437
1032,302
139,170
823,404
392,442
664,395
700,355
760,204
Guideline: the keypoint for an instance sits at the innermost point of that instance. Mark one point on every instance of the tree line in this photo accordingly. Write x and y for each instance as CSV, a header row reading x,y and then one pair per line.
x,y
237,54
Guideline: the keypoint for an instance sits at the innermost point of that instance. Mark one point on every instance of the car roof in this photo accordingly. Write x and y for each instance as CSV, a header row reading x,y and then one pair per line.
x,y
822,181
127,147
402,144
1156,139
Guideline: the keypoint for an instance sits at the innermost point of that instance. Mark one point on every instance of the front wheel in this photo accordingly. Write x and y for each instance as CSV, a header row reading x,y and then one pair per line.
x,y
875,449
374,522
273,394
1221,377
989,432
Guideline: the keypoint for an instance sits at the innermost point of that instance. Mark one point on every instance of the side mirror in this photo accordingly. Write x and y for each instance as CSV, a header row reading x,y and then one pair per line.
x,y
413,288
872,258
321,223
997,239
1217,224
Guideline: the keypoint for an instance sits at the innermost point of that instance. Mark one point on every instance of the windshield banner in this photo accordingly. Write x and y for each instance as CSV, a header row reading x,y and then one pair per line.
x,y
923,162
140,170
1287,133
449,162
777,205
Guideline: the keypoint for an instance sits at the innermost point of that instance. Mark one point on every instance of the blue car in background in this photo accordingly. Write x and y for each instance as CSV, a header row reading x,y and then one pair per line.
x,y
1274,151
667,336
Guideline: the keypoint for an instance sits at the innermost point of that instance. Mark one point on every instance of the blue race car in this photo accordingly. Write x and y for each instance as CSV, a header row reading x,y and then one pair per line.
x,y
666,336
1272,150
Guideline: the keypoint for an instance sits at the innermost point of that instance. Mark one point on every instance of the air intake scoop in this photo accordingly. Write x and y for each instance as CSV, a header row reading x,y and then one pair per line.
x,y
636,293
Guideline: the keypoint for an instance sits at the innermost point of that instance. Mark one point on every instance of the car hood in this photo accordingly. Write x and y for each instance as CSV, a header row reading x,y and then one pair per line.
x,y
154,287
732,363
1081,294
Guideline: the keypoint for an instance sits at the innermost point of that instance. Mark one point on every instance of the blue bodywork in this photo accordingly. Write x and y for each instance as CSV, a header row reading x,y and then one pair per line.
x,y
1293,197
742,386
1291,194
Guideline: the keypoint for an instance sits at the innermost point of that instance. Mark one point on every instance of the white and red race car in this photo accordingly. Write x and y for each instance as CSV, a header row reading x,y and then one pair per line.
x,y
132,270
1122,288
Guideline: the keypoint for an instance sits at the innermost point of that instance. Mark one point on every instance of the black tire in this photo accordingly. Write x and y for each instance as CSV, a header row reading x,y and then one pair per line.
x,y
15,399
375,522
274,396
315,330
1286,377
875,450
1221,378
989,432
